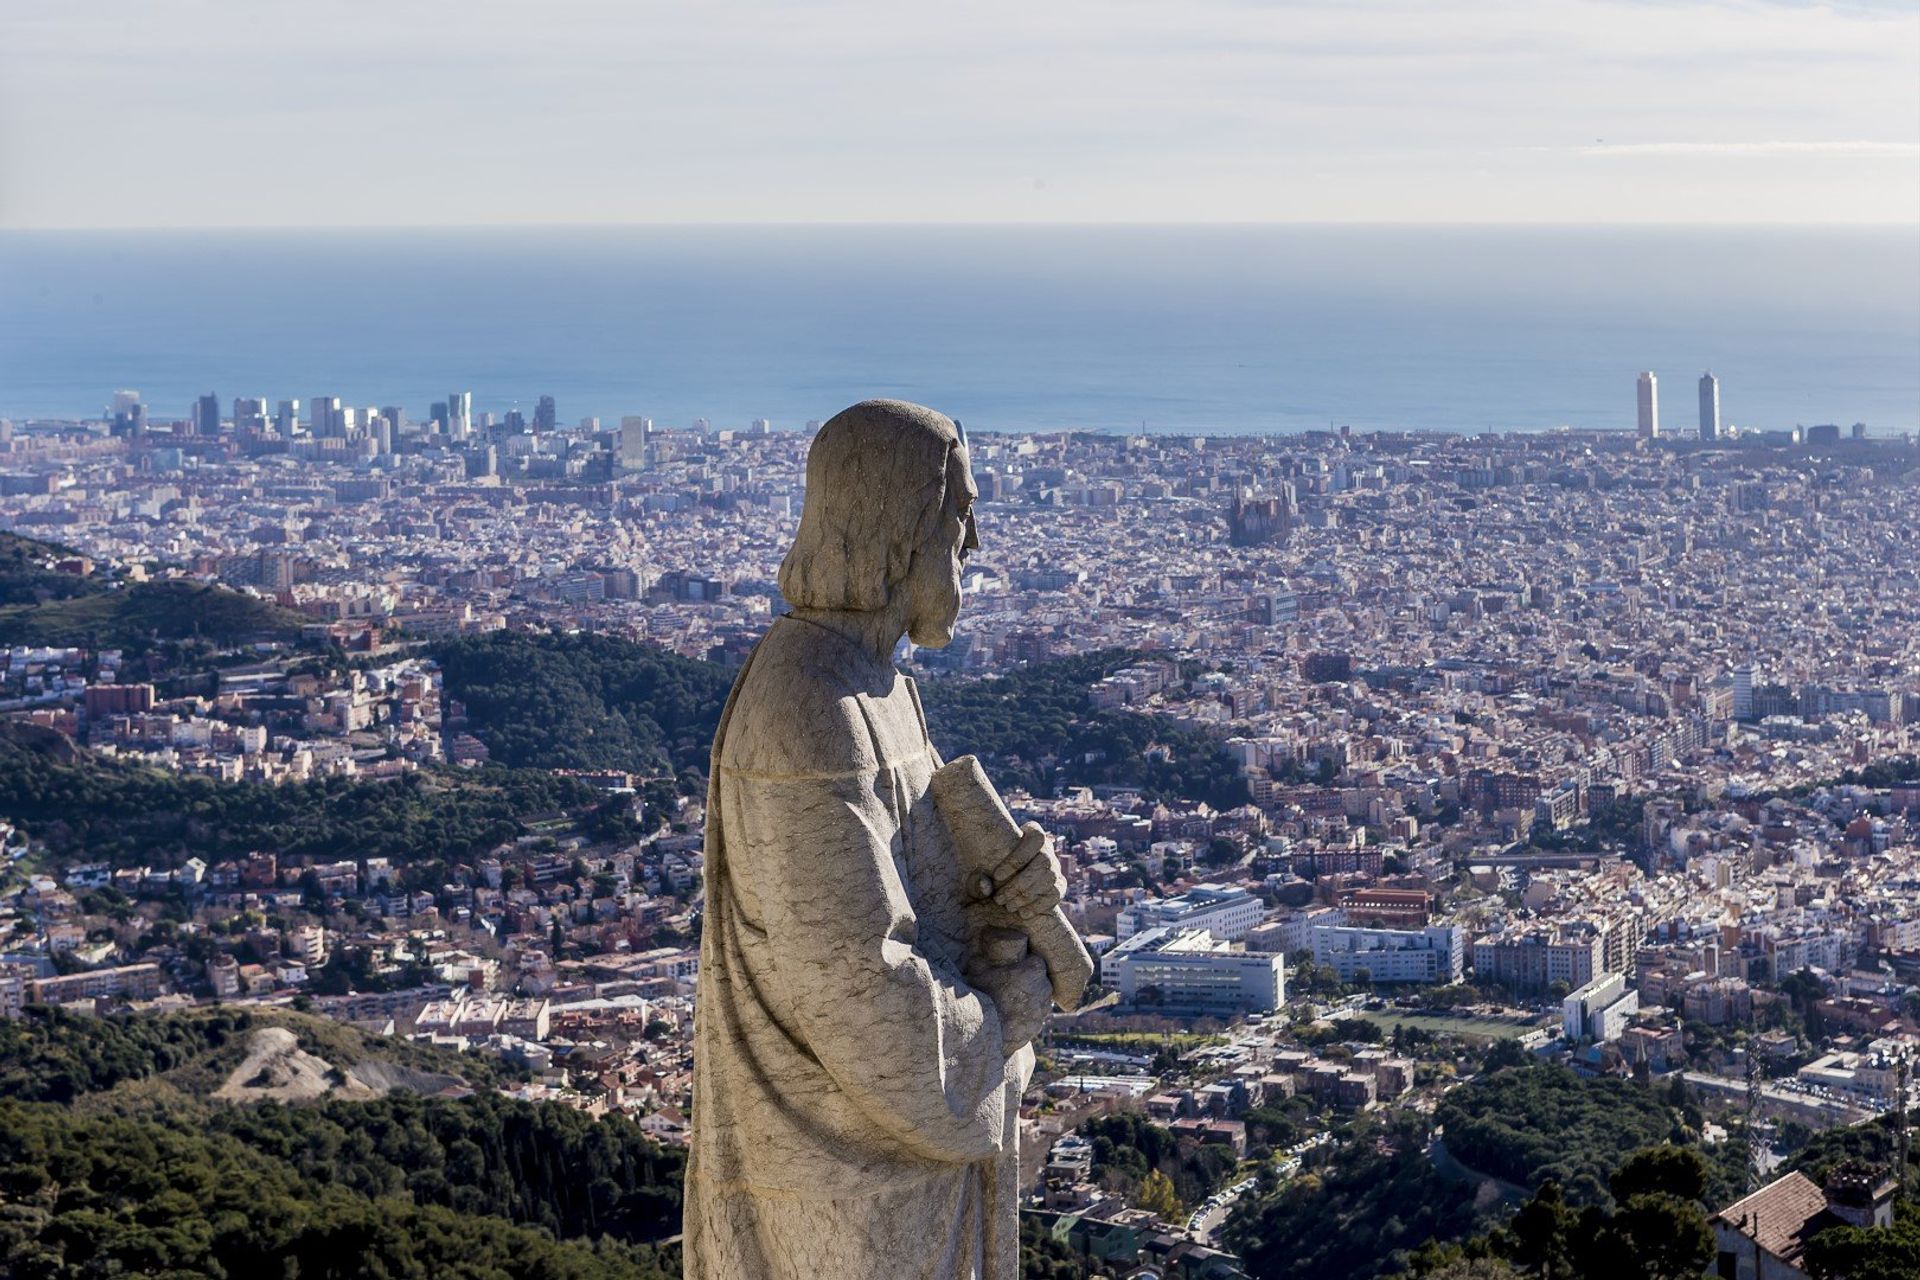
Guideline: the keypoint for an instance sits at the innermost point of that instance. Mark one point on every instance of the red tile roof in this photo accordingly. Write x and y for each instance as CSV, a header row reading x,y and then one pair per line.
x,y
1781,1216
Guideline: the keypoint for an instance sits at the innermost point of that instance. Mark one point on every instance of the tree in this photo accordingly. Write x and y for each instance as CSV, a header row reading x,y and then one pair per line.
x,y
1542,1233
1857,1253
1663,1170
1658,1237
1474,1269
1156,1195
1505,1053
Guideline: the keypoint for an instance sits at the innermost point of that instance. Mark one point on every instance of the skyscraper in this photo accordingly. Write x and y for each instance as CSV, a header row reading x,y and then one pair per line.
x,y
325,417
286,418
634,431
1649,407
1709,406
1743,691
249,414
206,416
545,416
460,415
128,414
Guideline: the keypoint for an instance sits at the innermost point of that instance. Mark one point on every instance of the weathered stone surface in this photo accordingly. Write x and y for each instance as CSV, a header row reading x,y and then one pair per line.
x,y
861,1041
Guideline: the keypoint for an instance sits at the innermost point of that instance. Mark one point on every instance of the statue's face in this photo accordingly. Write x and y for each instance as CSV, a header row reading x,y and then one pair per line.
x,y
934,576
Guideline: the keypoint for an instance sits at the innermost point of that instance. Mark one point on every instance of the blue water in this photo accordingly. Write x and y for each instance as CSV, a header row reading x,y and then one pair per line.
x,y
1224,329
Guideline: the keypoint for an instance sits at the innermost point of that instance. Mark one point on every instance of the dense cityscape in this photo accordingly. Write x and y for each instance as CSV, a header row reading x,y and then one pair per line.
x,y
1505,848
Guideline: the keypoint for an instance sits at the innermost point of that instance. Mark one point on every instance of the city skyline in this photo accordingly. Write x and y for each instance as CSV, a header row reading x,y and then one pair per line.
x,y
455,419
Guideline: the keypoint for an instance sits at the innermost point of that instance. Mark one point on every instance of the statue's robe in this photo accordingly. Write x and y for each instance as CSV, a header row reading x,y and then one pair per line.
x,y
855,1111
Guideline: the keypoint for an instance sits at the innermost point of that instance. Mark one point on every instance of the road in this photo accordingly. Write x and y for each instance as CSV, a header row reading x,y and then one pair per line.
x,y
1204,1223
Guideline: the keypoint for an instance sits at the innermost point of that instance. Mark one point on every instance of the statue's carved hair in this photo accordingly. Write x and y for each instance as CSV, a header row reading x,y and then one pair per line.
x,y
877,478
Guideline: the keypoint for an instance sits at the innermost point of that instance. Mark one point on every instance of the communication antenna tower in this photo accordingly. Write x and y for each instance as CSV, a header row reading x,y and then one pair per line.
x,y
1754,1153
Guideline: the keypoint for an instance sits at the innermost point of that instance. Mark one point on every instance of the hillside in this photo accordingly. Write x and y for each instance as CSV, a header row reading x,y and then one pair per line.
x,y
1536,1123
590,701
83,806
192,1057
1037,728
144,612
1621,1183
26,575
123,1152
101,1195
585,701
39,606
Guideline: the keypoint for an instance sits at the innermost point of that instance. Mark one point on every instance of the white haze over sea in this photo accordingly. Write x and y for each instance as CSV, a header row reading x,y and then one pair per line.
x,y
1177,328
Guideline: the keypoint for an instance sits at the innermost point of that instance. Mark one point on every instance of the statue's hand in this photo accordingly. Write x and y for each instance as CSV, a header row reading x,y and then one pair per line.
x,y
1038,886
1023,994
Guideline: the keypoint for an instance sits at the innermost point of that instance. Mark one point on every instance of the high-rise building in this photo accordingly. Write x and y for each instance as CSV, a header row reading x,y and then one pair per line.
x,y
325,418
1709,406
1649,407
286,417
129,416
205,418
460,415
1743,691
634,432
545,418
249,414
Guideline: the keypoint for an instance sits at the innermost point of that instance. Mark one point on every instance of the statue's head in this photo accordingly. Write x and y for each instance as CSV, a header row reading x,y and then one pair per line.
x,y
888,518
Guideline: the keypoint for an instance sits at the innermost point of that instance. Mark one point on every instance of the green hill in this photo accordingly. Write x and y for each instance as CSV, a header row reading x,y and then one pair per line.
x,y
1036,727
145,612
585,701
40,606
1534,1123
83,806
116,1159
26,575
86,1196
592,701
27,572
184,1059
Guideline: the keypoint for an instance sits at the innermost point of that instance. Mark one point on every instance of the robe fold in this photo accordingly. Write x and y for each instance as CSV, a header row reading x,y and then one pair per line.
x,y
855,1109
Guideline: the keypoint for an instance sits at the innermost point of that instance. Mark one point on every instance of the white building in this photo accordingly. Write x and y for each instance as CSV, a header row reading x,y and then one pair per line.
x,y
1435,954
1191,971
1649,396
1227,914
1599,1010
13,989
307,943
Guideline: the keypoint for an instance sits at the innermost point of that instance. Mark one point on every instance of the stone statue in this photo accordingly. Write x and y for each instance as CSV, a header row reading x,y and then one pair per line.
x,y
867,997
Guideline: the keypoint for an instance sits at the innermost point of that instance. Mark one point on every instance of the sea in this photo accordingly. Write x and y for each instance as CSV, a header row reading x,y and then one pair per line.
x,y
1183,329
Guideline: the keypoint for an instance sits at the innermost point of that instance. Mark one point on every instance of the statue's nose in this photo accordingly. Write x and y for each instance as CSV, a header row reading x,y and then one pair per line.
x,y
971,542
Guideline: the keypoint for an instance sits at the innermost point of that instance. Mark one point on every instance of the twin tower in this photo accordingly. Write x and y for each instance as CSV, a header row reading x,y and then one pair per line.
x,y
1650,407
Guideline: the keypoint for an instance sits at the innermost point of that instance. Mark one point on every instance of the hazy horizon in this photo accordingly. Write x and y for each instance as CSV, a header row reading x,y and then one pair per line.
x,y
122,114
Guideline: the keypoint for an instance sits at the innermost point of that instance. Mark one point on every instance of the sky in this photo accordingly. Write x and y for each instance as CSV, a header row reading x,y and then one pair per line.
x,y
172,113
